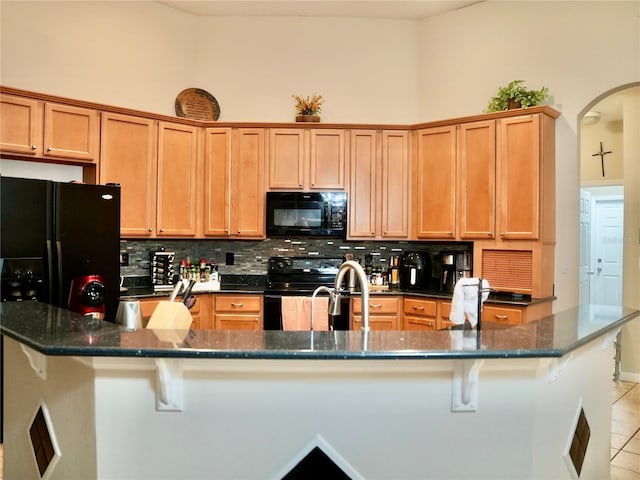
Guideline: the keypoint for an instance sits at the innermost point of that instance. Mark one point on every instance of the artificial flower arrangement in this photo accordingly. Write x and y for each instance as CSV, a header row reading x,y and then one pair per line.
x,y
308,105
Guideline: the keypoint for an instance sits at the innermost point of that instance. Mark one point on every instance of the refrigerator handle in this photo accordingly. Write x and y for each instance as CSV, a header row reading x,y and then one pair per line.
x,y
51,271
62,302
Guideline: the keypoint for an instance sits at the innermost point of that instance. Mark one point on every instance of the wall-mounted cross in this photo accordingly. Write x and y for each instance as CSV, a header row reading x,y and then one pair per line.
x,y
601,153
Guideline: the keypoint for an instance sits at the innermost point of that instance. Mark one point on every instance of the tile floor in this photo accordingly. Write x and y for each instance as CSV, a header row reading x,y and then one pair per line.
x,y
625,432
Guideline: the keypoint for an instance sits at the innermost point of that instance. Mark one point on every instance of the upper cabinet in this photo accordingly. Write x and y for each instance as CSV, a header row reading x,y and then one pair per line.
x,y
476,180
234,181
217,182
156,167
526,173
128,157
44,129
434,177
306,159
247,183
379,185
179,197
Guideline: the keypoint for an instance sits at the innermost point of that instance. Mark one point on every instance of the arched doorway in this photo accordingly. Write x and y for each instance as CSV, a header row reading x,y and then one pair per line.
x,y
602,194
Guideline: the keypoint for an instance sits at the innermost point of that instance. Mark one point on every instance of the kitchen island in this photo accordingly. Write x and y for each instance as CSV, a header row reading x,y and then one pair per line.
x,y
168,404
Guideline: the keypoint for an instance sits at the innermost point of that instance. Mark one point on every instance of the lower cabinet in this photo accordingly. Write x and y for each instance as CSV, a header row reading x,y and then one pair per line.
x,y
201,312
384,312
420,314
238,312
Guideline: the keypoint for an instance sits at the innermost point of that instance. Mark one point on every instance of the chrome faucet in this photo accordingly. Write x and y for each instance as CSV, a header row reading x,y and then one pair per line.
x,y
364,288
334,294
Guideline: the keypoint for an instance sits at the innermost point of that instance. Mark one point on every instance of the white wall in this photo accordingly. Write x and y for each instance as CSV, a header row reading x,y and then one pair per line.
x,y
141,55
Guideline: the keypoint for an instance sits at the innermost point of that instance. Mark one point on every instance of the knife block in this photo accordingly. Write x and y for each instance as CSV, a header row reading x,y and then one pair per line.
x,y
170,315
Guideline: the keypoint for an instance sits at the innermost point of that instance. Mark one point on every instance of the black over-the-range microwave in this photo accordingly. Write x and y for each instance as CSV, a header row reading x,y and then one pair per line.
x,y
307,214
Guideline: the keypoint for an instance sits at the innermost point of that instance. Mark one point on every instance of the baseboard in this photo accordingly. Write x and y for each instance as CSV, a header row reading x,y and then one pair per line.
x,y
630,377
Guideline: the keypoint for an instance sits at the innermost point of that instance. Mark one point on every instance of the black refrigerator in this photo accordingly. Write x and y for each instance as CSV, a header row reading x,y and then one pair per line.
x,y
60,235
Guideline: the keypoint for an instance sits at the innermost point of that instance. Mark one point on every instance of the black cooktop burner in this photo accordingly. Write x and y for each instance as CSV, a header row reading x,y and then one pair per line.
x,y
301,274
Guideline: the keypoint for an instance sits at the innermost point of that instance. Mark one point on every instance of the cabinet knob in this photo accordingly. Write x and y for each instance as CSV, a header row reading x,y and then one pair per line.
x,y
375,305
416,307
150,230
501,317
237,305
49,149
33,147
161,230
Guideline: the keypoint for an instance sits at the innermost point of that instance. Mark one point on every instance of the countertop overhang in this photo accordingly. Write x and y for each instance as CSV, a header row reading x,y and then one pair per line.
x,y
51,330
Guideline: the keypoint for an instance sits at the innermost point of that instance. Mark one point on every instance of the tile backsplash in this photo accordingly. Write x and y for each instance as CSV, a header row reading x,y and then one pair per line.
x,y
251,257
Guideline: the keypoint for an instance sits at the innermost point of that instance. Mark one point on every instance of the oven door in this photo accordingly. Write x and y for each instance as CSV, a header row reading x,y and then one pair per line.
x,y
272,311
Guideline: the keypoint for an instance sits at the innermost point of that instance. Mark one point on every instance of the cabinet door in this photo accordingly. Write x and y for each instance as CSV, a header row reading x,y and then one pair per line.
x,y
177,180
327,157
364,176
128,157
434,203
20,125
217,174
394,204
71,132
476,180
247,183
377,322
286,158
519,177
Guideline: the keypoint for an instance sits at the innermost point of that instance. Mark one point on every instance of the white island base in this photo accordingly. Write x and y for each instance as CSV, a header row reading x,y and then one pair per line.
x,y
256,419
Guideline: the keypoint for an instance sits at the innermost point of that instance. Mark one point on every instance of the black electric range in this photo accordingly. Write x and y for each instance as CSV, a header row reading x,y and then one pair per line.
x,y
300,276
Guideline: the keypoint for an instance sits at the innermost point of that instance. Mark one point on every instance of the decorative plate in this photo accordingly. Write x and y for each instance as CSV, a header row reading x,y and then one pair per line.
x,y
197,104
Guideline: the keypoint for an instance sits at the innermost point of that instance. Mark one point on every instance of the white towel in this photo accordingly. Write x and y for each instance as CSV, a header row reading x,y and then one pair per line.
x,y
296,313
464,303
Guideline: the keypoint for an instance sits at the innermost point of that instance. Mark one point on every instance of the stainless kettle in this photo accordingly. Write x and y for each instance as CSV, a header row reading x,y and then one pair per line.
x,y
129,315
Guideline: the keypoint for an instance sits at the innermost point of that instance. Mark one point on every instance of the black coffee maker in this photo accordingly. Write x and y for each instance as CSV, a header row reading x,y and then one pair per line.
x,y
415,271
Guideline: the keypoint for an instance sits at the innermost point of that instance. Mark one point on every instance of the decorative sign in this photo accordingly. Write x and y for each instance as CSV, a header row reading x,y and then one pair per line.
x,y
197,104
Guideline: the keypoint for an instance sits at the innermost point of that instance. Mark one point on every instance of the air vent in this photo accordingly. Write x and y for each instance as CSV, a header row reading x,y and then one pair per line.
x,y
508,270
579,443
43,442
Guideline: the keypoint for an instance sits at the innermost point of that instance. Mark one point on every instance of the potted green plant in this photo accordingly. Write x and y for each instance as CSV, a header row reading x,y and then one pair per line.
x,y
516,95
308,108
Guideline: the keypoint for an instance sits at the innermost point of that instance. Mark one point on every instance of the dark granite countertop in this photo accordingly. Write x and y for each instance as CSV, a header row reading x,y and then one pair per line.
x,y
55,331
494,298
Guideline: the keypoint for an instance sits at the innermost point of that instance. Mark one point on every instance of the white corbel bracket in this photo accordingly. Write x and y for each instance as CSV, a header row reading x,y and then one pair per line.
x,y
169,385
465,385
557,365
37,361
609,338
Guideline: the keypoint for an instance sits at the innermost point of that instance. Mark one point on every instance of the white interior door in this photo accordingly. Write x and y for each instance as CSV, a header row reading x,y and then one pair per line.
x,y
585,246
606,259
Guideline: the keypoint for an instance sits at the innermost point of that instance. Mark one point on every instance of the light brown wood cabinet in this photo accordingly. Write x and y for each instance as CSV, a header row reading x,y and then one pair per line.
x,y
420,314
385,312
179,190
434,189
49,130
201,312
379,184
476,180
306,159
526,182
234,190
128,156
217,182
156,165
238,312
